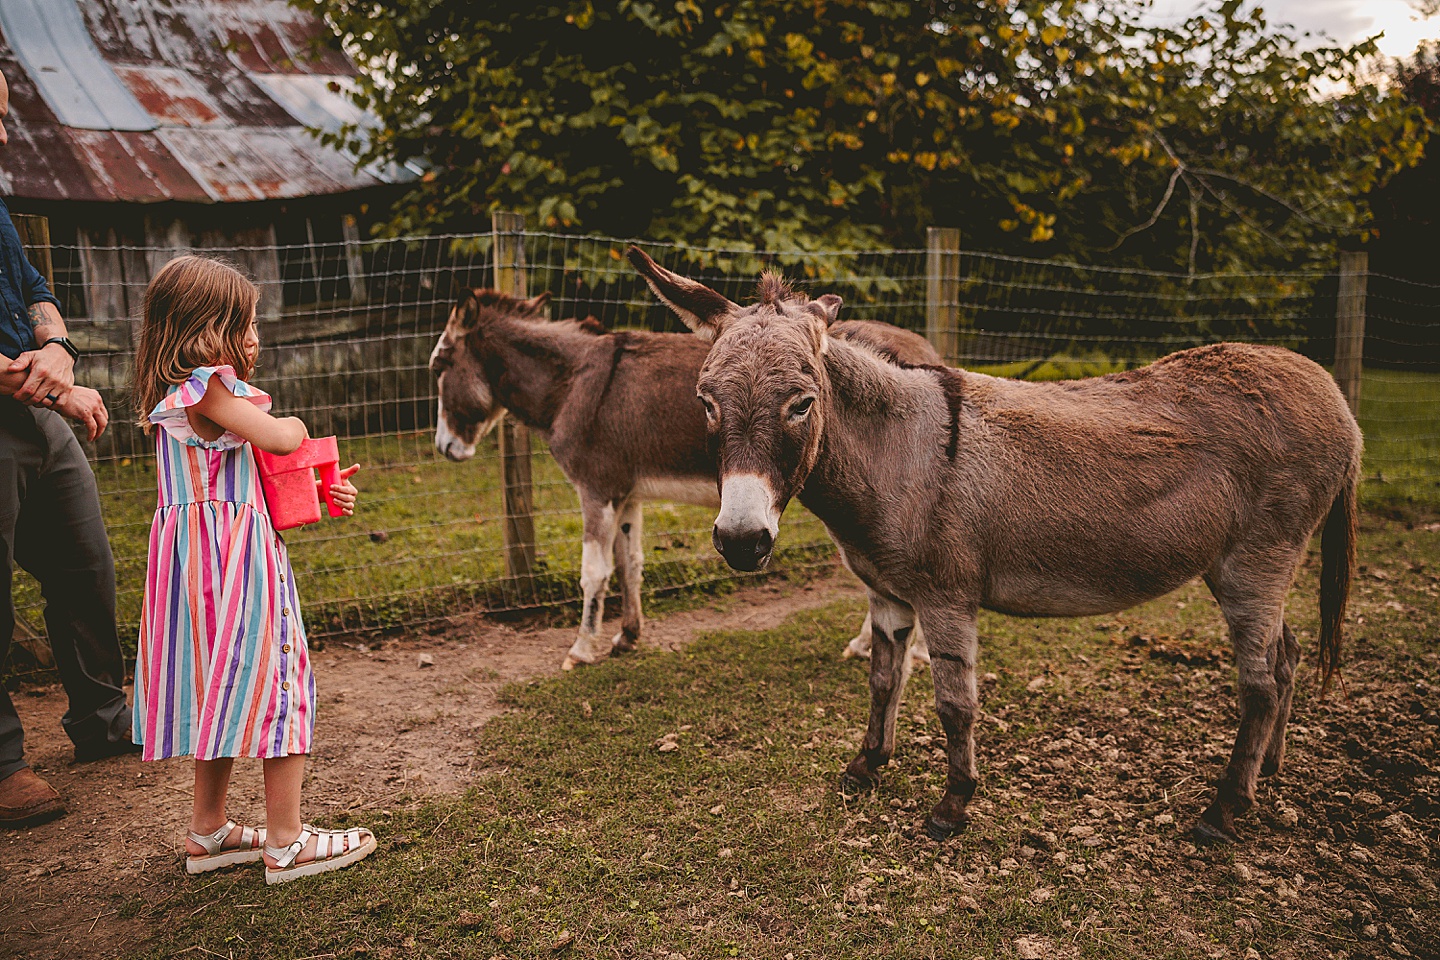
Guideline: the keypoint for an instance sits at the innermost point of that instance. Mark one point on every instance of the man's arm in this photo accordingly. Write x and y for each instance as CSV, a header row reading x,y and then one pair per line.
x,y
49,371
81,404
46,321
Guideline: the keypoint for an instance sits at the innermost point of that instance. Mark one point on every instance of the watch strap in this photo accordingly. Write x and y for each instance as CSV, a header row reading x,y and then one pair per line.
x,y
64,342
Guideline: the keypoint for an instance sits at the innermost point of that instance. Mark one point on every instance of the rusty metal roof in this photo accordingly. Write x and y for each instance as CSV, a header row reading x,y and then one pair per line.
x,y
192,100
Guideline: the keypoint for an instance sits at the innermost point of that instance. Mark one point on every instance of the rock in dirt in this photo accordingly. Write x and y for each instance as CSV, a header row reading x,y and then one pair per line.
x,y
1034,686
1289,817
1034,948
668,743
1040,894
965,902
425,660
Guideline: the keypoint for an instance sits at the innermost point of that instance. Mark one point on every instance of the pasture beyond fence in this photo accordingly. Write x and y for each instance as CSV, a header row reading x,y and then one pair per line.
x,y
347,330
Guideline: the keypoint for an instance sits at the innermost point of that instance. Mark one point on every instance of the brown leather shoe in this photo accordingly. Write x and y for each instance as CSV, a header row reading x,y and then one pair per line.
x,y
26,800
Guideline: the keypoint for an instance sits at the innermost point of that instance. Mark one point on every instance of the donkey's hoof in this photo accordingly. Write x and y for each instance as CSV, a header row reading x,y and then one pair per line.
x,y
571,662
1268,768
1208,835
857,648
937,828
622,643
853,784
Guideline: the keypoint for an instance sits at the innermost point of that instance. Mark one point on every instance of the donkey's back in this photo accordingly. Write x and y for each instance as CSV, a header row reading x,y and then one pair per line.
x,y
1104,492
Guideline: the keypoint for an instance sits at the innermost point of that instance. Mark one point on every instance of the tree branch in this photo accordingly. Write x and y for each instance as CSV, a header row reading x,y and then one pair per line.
x,y
1159,209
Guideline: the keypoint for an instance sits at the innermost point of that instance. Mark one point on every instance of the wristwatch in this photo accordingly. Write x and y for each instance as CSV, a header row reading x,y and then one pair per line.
x,y
70,348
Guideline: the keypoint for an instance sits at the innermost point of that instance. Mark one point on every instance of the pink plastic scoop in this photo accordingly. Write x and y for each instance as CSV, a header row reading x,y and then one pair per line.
x,y
289,482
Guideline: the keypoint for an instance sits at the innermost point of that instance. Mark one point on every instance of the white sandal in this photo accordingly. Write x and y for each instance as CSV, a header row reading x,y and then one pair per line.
x,y
215,856
334,850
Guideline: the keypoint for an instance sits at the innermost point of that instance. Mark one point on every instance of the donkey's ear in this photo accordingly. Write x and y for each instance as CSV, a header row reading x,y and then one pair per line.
x,y
827,307
466,313
533,307
701,309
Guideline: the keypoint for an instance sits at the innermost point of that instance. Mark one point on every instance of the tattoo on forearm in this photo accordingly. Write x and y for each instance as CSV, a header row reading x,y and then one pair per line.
x,y
42,323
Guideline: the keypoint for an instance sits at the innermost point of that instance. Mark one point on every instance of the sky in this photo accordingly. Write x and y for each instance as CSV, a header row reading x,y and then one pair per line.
x,y
1346,21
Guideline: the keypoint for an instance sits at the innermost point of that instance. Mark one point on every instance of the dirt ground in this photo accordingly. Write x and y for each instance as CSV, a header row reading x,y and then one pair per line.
x,y
389,732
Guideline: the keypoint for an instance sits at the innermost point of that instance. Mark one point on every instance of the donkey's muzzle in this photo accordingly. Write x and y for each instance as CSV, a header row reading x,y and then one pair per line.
x,y
744,550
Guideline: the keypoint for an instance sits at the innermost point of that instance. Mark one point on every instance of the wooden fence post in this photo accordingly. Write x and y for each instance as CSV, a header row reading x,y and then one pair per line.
x,y
35,237
1350,325
942,291
507,229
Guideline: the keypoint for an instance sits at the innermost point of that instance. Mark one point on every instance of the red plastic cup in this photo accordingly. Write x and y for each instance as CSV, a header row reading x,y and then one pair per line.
x,y
289,482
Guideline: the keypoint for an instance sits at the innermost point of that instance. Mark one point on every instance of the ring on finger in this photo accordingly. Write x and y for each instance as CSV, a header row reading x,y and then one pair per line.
x,y
51,398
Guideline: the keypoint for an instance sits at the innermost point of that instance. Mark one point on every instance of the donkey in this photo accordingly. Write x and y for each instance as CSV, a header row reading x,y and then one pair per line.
x,y
620,415
949,491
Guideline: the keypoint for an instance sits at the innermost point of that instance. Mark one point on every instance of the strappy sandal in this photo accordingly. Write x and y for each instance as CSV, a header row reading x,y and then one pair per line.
x,y
216,856
334,850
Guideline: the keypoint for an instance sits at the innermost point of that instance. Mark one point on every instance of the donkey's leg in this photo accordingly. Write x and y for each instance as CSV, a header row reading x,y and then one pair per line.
x,y
859,646
629,563
1287,658
891,626
596,565
1251,591
954,649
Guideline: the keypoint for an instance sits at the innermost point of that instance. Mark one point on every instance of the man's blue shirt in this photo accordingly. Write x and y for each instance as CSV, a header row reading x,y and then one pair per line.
x,y
21,285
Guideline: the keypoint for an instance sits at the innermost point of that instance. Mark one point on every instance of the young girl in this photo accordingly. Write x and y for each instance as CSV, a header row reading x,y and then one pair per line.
x,y
222,670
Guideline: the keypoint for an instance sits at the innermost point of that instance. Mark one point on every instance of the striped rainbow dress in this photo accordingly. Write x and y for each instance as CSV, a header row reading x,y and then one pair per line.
x,y
222,669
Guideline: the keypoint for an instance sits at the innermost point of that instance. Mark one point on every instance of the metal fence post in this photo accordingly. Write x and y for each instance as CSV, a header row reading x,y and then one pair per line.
x,y
35,237
1350,325
507,229
942,291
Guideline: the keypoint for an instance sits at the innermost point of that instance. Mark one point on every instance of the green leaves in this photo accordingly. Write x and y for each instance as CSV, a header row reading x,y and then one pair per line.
x,y
1038,126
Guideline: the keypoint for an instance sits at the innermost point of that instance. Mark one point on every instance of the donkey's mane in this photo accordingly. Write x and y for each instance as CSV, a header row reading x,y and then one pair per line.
x,y
775,289
873,388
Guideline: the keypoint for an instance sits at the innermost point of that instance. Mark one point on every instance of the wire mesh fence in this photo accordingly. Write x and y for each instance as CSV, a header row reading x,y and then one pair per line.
x,y
347,329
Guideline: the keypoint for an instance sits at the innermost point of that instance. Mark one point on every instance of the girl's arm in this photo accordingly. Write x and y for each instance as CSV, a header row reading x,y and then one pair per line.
x,y
220,410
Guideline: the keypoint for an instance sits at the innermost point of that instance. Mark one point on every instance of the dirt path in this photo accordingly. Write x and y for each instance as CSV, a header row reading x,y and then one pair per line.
x,y
389,731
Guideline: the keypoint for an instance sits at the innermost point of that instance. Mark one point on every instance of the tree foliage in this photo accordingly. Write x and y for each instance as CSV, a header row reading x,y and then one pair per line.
x,y
1043,127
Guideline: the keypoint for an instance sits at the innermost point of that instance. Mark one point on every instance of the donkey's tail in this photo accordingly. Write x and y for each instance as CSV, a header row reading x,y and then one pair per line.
x,y
1337,566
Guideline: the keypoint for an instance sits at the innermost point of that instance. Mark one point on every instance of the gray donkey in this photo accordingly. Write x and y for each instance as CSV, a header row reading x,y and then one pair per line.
x,y
949,491
620,415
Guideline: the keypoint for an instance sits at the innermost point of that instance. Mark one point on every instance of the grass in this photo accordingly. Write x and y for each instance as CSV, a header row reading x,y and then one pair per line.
x,y
427,540
581,838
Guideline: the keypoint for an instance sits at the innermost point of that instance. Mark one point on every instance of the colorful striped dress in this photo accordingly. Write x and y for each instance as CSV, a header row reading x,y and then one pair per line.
x,y
222,669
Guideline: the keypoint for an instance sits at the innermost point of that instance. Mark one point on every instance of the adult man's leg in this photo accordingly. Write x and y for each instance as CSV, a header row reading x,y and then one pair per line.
x,y
25,799
60,538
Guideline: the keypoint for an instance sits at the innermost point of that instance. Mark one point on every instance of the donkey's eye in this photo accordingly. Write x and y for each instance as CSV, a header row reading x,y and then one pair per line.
x,y
712,412
801,409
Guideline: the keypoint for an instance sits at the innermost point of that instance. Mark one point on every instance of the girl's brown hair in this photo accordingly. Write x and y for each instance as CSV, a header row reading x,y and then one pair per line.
x,y
197,312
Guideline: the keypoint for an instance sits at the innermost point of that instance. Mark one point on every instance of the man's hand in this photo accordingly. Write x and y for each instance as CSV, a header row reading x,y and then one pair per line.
x,y
49,372
85,405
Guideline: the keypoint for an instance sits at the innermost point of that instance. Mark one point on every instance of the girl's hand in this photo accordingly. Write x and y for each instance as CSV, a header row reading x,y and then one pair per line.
x,y
344,492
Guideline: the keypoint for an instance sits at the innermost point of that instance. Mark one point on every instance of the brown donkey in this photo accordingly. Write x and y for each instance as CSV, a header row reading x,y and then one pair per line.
x,y
949,491
620,415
